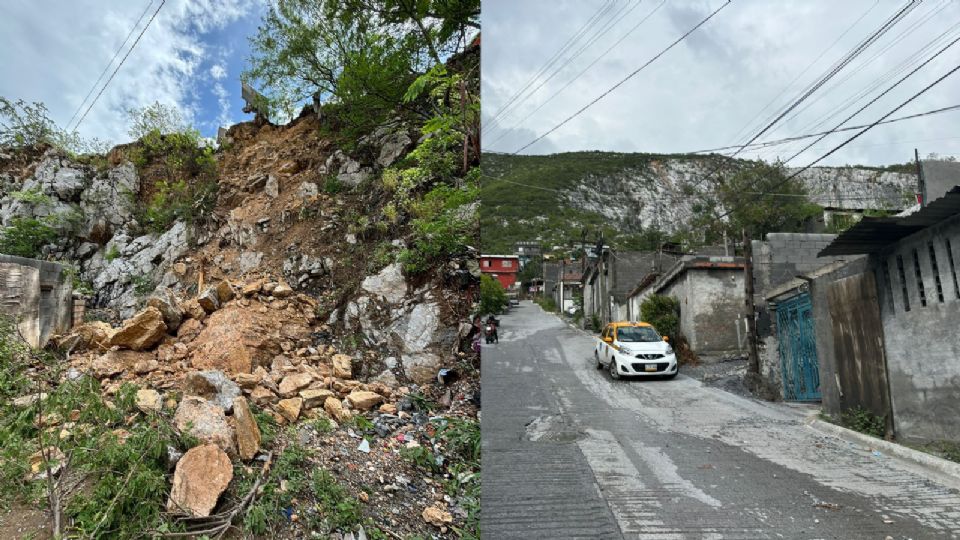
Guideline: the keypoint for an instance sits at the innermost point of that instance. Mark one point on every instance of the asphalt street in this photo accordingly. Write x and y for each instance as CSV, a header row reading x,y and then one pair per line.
x,y
569,453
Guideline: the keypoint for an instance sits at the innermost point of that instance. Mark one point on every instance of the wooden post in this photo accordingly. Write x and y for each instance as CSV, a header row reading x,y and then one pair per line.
x,y
753,364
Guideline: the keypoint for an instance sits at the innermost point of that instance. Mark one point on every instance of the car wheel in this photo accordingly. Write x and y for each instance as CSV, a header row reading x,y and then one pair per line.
x,y
597,358
614,373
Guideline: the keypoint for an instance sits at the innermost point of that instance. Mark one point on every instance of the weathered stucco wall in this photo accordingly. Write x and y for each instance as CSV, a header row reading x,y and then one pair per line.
x,y
923,342
710,301
38,294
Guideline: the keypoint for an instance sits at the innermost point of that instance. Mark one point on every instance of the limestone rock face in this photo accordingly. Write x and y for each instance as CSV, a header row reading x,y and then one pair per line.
x,y
389,284
248,434
141,332
205,421
201,476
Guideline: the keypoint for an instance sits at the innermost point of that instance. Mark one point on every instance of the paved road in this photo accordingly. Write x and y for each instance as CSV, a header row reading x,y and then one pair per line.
x,y
568,453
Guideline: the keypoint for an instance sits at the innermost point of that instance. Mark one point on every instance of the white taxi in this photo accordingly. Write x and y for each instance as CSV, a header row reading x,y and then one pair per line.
x,y
635,349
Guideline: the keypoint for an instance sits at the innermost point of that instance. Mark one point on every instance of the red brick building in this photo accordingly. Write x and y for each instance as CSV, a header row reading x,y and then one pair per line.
x,y
502,267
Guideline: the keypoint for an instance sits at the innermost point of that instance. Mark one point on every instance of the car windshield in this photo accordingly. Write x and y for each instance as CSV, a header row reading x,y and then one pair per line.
x,y
637,334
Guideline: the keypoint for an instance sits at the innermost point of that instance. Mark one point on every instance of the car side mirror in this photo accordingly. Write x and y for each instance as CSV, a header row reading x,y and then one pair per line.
x,y
665,338
608,339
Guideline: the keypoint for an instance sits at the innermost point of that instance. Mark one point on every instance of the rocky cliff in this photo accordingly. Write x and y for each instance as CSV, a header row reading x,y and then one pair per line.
x,y
630,193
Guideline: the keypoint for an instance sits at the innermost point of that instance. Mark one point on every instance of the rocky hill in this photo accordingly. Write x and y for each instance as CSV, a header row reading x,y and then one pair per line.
x,y
627,194
263,284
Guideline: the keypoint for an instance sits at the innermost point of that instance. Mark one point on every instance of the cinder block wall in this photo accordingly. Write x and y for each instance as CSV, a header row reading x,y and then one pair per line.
x,y
923,343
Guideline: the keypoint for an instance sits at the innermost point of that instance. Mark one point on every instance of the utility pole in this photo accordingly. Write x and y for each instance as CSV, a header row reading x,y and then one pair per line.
x,y
921,187
753,363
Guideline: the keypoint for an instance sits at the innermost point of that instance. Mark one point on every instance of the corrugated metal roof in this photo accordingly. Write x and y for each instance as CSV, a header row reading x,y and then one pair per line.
x,y
870,235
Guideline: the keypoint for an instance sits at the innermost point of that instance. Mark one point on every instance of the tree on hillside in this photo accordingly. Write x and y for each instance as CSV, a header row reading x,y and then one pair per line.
x,y
354,52
758,197
492,296
156,117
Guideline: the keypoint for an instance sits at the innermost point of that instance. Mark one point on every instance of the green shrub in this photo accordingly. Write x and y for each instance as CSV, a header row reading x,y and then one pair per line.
x,y
663,312
180,200
493,299
332,185
25,237
864,421
547,303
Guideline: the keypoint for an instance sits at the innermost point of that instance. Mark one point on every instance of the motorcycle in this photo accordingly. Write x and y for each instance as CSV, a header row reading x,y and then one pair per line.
x,y
490,332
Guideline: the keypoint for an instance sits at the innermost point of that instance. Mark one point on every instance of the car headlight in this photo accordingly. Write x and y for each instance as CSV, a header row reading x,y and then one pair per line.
x,y
669,350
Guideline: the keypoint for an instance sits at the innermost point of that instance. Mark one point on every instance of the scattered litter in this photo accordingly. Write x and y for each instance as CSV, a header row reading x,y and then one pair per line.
x,y
364,446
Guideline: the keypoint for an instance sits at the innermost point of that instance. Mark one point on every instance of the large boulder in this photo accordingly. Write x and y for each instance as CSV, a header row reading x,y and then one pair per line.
x,y
212,385
141,332
201,476
94,335
246,429
166,302
422,367
205,421
237,340
209,300
336,411
290,408
315,397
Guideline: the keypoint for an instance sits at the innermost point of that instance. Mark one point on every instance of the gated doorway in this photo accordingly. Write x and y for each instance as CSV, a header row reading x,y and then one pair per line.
x,y
798,349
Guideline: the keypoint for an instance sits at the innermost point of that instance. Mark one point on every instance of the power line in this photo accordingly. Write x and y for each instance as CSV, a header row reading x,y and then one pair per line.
x,y
625,79
601,31
106,84
110,63
547,65
578,75
743,131
832,72
777,142
858,134
875,99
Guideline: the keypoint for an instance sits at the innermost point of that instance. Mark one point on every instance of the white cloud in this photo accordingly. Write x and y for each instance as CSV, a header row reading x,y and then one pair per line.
x,y
54,51
218,72
702,93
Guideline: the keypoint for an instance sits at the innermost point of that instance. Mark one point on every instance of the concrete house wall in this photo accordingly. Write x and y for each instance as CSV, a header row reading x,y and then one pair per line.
x,y
38,294
710,301
923,343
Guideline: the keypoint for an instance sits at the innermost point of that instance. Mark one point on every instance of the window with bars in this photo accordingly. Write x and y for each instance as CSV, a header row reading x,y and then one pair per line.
x,y
916,270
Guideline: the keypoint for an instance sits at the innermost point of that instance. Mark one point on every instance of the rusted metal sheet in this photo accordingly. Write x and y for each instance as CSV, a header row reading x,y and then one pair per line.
x,y
860,357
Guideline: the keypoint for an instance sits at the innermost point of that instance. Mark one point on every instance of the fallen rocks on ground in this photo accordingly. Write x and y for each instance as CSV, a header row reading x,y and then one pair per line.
x,y
143,331
245,428
204,420
201,476
212,385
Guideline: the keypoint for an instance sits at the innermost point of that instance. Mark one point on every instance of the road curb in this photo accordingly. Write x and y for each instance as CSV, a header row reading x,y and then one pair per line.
x,y
916,457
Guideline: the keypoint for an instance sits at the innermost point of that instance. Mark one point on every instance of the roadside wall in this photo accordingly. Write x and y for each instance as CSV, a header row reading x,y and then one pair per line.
x,y
710,301
39,294
923,341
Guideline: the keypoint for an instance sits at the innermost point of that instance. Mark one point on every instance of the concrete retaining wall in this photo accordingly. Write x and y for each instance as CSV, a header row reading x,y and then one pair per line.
x,y
38,294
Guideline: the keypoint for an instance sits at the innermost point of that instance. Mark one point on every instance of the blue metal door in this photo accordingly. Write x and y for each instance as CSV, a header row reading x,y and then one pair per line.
x,y
798,349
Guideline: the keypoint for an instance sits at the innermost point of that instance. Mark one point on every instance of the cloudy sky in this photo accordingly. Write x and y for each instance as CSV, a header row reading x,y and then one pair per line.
x,y
190,57
711,89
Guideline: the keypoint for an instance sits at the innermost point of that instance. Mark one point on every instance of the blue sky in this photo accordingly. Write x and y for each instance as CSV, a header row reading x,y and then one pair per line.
x,y
190,57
